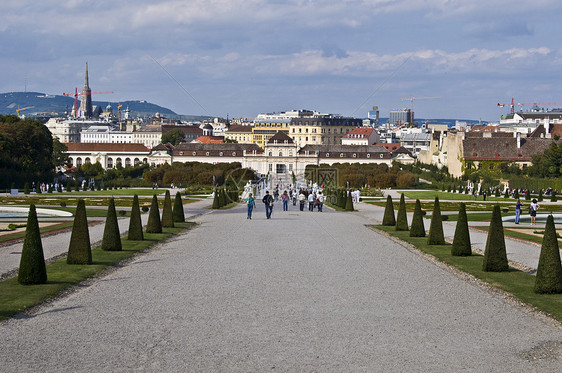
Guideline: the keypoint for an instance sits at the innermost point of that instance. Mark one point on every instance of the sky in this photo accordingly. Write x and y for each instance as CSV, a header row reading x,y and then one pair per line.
x,y
242,58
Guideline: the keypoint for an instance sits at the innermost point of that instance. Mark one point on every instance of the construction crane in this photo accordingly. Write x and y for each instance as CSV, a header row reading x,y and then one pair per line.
x,y
22,109
512,105
412,98
76,94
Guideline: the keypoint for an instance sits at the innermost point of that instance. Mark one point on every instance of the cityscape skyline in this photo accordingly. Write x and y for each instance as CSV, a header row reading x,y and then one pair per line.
x,y
239,59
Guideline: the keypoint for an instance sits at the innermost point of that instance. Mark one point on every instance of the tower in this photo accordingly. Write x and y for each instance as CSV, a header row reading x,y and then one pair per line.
x,y
86,110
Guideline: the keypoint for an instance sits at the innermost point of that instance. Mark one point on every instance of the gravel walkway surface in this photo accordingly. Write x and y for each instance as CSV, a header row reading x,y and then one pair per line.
x,y
302,292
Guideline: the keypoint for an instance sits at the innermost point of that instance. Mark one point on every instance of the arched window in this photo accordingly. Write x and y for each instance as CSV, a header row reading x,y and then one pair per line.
x,y
87,160
341,155
137,161
78,162
109,162
280,154
118,162
127,162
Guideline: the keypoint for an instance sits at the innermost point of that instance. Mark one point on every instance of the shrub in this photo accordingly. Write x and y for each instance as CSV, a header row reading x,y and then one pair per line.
x,y
216,202
79,250
549,270
63,204
38,188
144,209
26,188
222,197
461,242
506,195
540,196
167,217
495,255
553,197
497,194
135,223
401,218
111,238
349,203
154,225
177,212
516,194
527,195
436,236
388,218
122,212
32,269
417,229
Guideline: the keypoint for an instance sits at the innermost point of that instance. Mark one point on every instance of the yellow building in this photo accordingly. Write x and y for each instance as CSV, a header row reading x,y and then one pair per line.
x,y
266,128
240,134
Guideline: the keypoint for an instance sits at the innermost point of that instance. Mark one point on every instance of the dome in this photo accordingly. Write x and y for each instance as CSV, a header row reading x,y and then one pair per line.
x,y
207,127
108,107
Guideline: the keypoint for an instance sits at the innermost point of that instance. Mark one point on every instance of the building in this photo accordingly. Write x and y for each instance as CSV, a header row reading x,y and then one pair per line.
x,y
240,134
266,127
190,133
69,130
150,135
321,129
86,109
402,116
105,134
360,136
108,155
416,142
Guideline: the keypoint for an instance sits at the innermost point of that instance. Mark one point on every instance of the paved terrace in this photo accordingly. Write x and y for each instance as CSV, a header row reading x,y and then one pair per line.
x,y
304,291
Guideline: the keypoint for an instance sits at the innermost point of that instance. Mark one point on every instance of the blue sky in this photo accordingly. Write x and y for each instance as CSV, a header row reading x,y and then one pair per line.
x,y
246,57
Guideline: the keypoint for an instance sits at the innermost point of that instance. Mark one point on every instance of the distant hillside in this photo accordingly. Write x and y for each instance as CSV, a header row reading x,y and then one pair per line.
x,y
41,103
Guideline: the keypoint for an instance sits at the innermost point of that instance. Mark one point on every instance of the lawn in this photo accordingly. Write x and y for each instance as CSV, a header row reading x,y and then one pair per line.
x,y
16,298
518,283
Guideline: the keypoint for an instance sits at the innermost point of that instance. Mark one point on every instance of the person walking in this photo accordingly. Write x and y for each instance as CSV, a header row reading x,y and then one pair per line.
x,y
533,210
302,200
311,200
251,202
268,201
285,198
320,201
518,207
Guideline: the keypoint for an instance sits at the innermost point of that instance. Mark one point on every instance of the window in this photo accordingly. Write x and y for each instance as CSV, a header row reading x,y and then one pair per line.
x,y
127,162
136,161
327,155
280,154
368,155
382,155
270,167
194,154
234,154
354,155
220,154
341,155
207,154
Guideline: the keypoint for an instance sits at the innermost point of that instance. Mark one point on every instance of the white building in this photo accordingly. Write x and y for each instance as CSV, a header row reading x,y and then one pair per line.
x,y
68,130
105,134
108,155
361,136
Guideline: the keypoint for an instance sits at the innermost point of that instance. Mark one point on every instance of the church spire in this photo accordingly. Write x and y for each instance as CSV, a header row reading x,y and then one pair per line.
x,y
86,109
86,83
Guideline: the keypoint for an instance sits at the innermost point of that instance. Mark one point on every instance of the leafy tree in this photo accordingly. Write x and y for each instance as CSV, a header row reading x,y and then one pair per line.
x,y
417,229
436,236
154,225
32,269
179,216
111,237
495,254
60,156
549,270
135,223
167,216
461,242
388,218
79,250
174,137
401,218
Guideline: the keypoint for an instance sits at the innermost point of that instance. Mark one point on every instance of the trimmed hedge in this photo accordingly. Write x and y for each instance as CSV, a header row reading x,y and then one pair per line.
x,y
111,237
154,225
135,223
32,269
79,250
417,229
436,236
167,217
495,255
461,242
177,212
549,270
388,218
401,218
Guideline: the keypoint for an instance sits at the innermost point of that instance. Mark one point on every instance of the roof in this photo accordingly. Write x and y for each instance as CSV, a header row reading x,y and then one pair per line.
x,y
347,151
390,146
106,147
210,139
503,148
280,138
239,128
359,133
200,149
185,129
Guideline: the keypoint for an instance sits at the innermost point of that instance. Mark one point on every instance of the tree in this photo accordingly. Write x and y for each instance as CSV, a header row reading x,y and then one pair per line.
x,y
417,229
540,196
216,201
79,250
436,236
60,156
349,203
154,225
401,218
32,269
495,254
177,212
461,242
549,270
173,137
388,218
167,216
135,223
553,197
111,237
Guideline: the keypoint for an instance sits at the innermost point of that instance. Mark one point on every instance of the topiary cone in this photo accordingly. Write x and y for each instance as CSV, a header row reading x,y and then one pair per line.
x,y
111,237
495,255
177,211
461,242
436,236
549,270
417,229
32,268
388,218
349,203
79,250
154,225
401,218
167,217
222,197
135,223
216,203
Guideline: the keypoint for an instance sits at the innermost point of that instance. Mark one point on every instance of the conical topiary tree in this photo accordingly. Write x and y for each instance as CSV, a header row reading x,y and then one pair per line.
x,y
401,218
461,242
216,202
177,212
79,250
549,270
111,237
388,218
417,229
32,268
349,203
527,195
540,196
154,225
222,197
497,194
436,236
495,255
553,197
167,216
516,196
135,223
506,195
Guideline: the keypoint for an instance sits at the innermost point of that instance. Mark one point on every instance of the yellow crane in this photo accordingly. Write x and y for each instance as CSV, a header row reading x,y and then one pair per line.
x,y
412,98
20,109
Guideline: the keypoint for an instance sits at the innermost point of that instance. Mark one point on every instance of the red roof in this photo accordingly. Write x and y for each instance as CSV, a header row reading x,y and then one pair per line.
x,y
391,147
106,147
210,139
358,133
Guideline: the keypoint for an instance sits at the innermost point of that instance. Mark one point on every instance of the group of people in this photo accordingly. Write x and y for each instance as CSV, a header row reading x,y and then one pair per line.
x,y
533,207
310,197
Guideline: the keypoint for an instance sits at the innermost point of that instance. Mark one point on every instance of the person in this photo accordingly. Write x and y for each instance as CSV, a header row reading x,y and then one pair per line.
x,y
285,198
302,200
484,195
251,202
518,207
475,195
268,201
320,201
294,196
533,210
311,200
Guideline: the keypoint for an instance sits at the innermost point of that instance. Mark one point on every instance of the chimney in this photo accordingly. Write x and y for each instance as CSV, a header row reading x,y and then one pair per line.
x,y
518,140
547,125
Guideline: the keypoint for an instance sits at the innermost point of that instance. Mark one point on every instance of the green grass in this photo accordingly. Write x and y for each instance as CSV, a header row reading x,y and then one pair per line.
x,y
116,192
520,284
448,196
16,298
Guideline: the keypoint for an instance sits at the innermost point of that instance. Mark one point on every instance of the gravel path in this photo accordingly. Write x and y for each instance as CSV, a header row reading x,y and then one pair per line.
x,y
302,292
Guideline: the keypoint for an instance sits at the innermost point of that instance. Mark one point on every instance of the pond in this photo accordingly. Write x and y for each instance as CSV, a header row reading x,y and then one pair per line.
x,y
526,218
22,212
